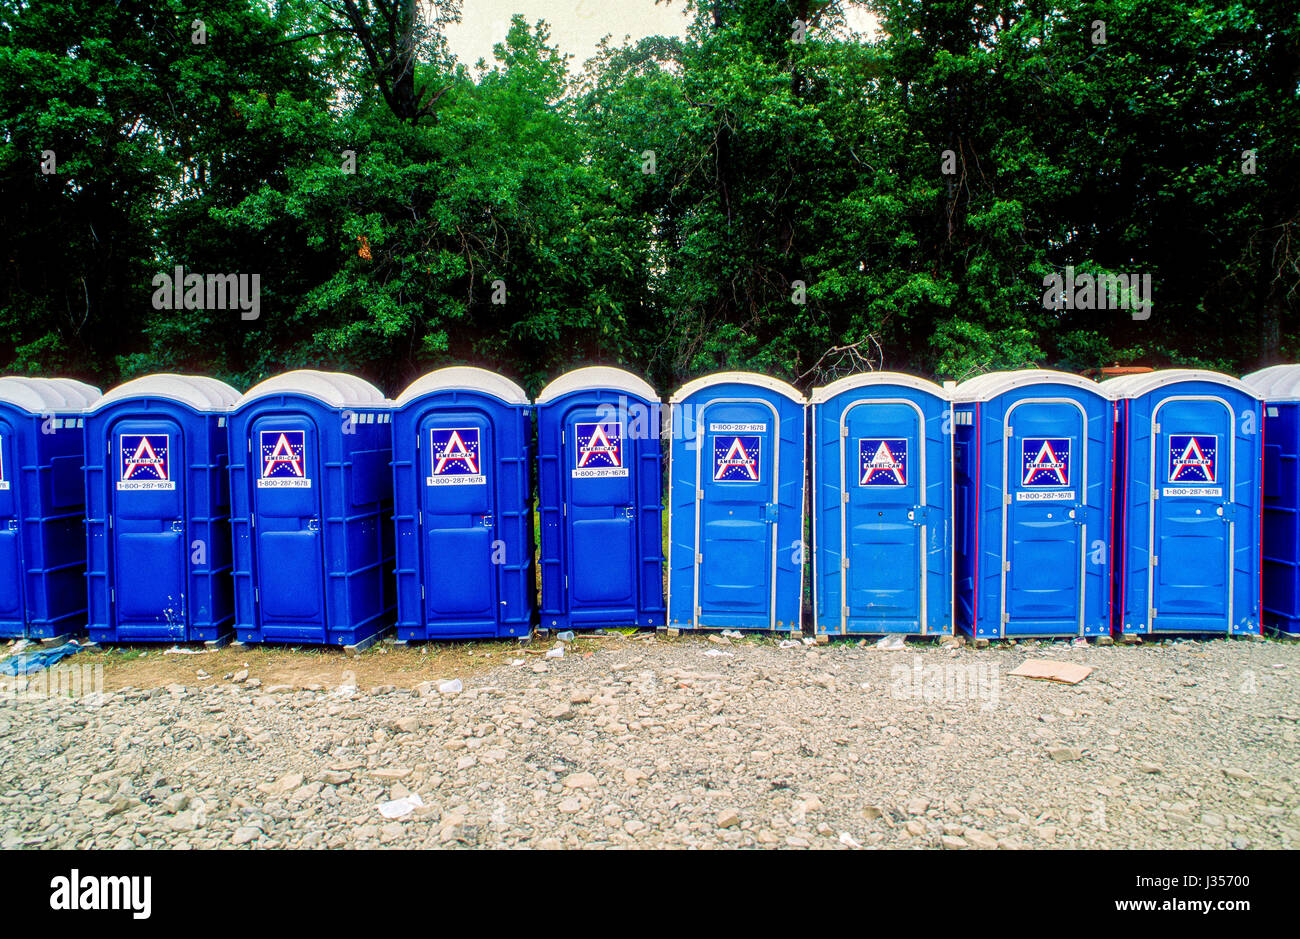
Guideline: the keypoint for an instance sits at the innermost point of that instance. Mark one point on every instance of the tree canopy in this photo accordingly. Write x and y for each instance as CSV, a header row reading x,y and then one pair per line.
x,y
772,191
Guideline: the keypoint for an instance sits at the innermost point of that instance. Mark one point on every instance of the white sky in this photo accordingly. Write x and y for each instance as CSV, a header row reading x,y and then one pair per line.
x,y
577,26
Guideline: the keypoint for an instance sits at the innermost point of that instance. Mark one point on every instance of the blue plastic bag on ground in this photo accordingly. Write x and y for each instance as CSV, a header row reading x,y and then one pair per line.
x,y
34,660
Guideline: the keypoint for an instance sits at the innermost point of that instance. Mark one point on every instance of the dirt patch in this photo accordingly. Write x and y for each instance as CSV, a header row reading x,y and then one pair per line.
x,y
308,667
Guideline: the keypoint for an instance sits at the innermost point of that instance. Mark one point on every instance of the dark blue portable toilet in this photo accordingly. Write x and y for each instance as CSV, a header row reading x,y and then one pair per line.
x,y
599,489
462,461
1280,388
882,506
1033,465
158,511
42,507
1189,500
311,510
736,498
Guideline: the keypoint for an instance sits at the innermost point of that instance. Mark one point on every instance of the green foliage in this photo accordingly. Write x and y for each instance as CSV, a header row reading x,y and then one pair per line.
x,y
766,193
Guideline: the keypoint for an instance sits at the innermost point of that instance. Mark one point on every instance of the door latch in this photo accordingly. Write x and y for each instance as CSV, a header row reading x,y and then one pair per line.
x,y
178,525
486,521
629,511
313,524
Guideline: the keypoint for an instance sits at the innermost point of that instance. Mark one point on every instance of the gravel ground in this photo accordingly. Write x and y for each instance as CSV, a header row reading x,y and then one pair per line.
x,y
689,742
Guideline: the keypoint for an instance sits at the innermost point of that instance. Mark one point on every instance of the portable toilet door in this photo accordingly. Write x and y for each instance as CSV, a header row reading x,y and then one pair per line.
x,y
1033,468
311,510
42,506
158,511
882,506
1191,500
1280,388
736,499
461,472
599,490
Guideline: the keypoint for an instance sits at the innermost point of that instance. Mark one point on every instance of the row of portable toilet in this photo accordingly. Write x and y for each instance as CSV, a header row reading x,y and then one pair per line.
x,y
1029,503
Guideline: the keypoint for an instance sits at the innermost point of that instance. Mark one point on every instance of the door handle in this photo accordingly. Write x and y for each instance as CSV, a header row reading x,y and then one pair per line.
x,y
629,511
313,524
486,521
178,525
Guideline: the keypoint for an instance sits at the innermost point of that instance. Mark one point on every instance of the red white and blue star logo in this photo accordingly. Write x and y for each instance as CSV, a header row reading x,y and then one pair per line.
x,y
1046,462
599,451
145,462
455,456
735,459
1193,458
284,453
882,461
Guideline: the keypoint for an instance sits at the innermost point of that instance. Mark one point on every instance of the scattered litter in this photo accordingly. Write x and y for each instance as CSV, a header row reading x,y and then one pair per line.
x,y
1067,673
717,652
400,808
847,840
516,661
626,631
1078,642
177,650
566,636
18,646
35,660
809,641
557,652
450,686
891,643
344,691
790,643
732,634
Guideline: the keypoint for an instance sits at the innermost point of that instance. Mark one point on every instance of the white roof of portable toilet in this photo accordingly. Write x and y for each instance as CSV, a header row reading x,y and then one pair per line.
x,y
337,389
1276,383
989,385
1130,386
464,378
841,385
743,378
599,377
197,391
47,395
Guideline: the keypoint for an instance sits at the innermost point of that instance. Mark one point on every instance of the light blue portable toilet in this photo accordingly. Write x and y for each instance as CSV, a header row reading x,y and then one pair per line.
x,y
1033,471
599,490
42,507
158,511
462,459
882,506
311,510
736,501
1280,388
1189,501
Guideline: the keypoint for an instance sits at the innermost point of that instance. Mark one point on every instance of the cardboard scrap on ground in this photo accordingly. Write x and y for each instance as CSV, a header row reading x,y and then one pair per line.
x,y
1068,673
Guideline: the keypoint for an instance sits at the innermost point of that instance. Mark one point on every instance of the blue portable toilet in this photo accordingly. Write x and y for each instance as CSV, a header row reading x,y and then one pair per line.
x,y
1189,498
158,511
882,506
462,461
1033,466
736,498
42,507
311,510
1280,388
599,488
